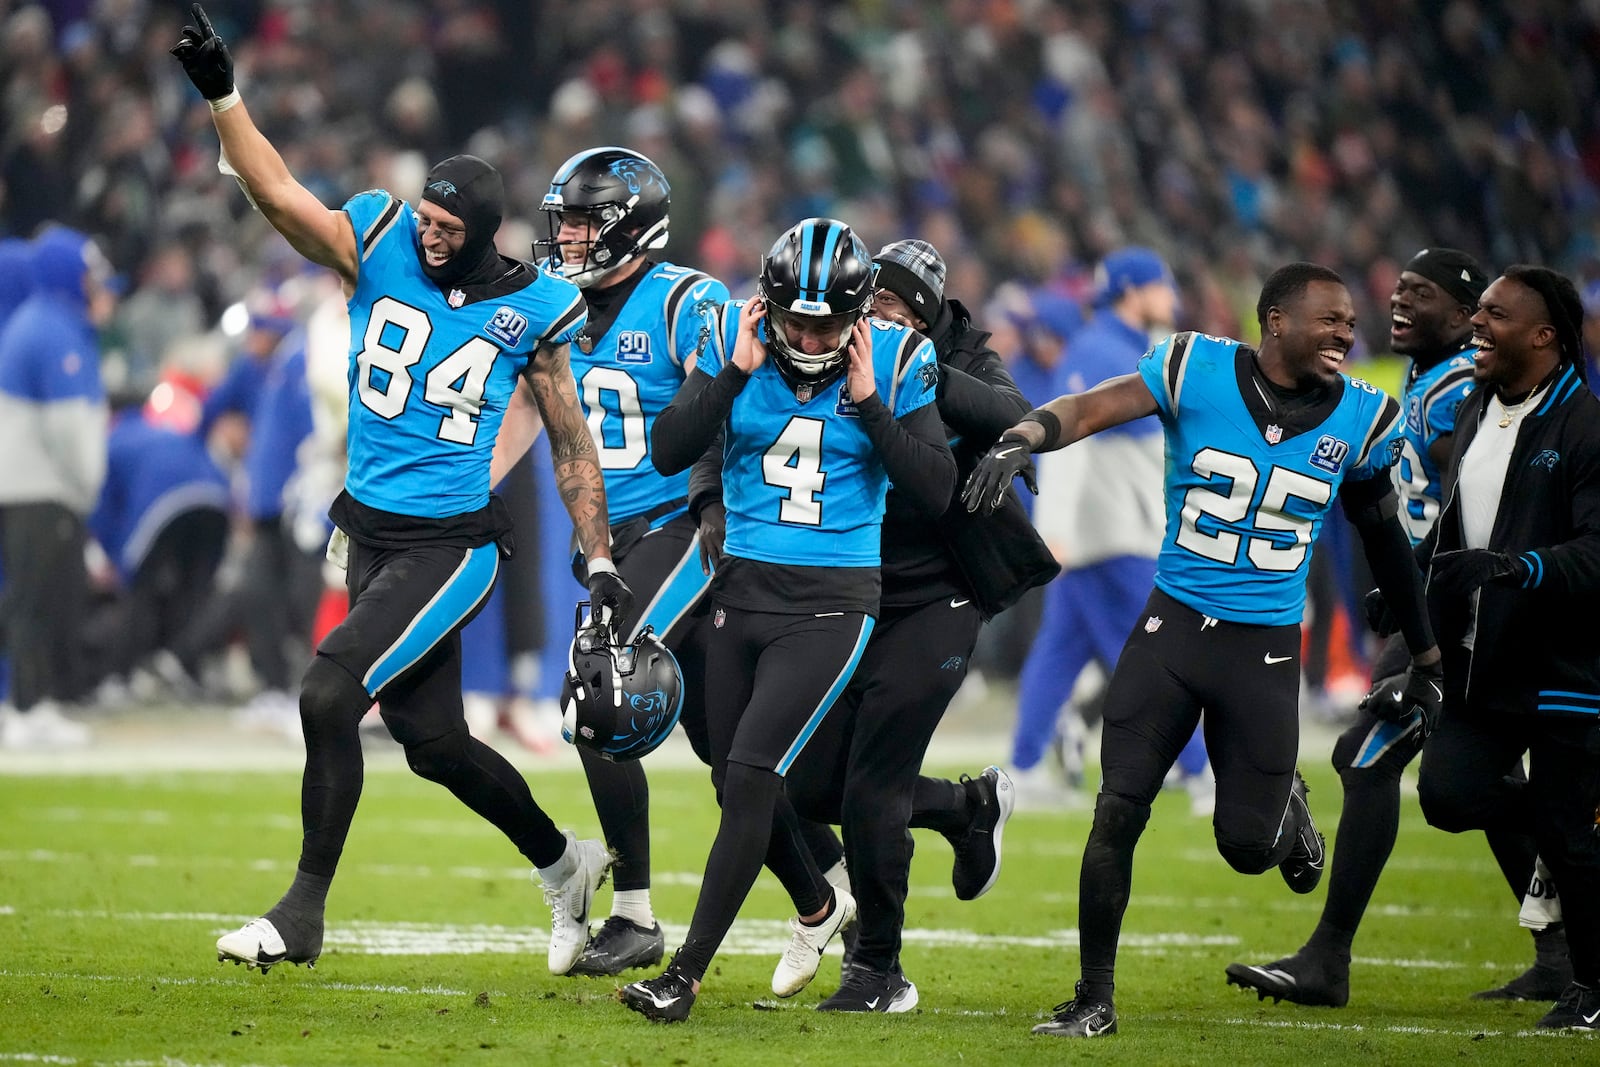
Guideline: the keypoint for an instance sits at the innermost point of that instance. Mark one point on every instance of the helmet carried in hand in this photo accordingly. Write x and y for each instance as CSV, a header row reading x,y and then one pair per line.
x,y
619,700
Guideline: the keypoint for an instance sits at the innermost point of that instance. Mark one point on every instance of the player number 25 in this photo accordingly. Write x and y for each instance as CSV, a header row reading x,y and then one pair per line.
x,y
1231,506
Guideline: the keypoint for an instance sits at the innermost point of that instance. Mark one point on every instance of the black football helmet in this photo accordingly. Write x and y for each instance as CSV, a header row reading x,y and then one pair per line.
x,y
626,198
619,700
817,275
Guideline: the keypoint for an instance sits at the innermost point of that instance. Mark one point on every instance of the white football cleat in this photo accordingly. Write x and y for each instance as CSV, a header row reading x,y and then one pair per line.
x,y
258,945
801,959
569,902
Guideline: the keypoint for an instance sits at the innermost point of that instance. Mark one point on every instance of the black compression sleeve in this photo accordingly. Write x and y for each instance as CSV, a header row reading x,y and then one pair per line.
x,y
913,451
688,425
1388,551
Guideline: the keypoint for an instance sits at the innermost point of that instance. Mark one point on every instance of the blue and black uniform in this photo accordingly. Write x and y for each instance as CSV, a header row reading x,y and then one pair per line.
x,y
1252,470
805,472
432,368
629,361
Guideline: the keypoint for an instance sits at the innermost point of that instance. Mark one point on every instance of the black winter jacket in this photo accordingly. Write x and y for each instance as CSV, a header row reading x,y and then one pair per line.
x,y
1537,650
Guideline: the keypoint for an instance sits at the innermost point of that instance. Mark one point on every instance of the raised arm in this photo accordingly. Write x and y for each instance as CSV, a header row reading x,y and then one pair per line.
x,y
321,235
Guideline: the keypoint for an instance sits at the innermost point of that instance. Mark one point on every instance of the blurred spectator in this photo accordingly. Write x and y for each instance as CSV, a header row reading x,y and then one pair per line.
x,y
53,420
162,520
163,310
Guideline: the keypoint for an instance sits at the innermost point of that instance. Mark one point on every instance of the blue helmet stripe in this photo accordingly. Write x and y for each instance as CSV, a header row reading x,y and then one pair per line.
x,y
829,251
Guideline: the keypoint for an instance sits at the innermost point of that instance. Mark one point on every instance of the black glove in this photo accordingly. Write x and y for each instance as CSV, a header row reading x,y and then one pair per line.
x,y
1467,569
1379,617
713,529
204,57
610,599
1419,691
986,486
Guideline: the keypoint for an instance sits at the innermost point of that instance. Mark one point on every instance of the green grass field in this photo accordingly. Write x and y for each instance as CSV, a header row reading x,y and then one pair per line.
x,y
113,888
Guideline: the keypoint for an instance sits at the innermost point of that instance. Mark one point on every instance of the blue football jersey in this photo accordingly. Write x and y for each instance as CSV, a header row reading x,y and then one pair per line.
x,y
429,382
633,371
1431,399
1244,506
801,481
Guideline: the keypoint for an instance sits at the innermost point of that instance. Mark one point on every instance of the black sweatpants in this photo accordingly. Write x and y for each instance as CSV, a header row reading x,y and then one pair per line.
x,y
862,766
1470,780
45,602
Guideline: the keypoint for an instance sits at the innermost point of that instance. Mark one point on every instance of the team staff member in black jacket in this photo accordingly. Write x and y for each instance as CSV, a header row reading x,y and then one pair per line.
x,y
1514,576
940,581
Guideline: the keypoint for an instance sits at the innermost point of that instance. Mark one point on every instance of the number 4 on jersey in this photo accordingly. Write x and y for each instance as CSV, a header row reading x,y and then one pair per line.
x,y
794,464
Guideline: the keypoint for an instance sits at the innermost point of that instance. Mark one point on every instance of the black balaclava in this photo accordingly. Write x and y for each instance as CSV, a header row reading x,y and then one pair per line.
x,y
473,191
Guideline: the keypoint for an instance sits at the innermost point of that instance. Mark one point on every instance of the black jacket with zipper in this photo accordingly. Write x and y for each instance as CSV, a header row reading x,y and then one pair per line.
x,y
1537,649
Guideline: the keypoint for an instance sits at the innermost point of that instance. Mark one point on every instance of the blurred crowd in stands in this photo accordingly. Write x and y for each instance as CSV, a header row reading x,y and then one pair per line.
x,y
1024,138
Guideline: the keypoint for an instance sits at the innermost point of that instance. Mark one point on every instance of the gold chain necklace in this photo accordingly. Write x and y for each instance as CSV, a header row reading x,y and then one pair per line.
x,y
1507,412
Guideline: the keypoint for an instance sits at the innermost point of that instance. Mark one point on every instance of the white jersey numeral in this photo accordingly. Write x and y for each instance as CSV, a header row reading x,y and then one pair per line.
x,y
794,464
1231,505
456,383
599,385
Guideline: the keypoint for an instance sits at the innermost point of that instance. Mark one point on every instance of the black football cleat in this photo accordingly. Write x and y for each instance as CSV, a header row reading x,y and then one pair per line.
x,y
1313,979
1082,1016
620,945
1302,868
977,865
1577,1009
1542,981
867,990
666,998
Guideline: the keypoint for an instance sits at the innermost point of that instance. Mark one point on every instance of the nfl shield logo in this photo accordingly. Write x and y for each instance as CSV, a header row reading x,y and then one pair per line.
x,y
1152,624
719,618
1274,434
456,298
802,392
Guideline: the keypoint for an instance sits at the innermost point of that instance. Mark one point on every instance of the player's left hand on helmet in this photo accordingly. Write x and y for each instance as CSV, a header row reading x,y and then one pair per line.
x,y
204,57
748,350
1009,458
610,599
863,382
1467,569
713,530
1417,692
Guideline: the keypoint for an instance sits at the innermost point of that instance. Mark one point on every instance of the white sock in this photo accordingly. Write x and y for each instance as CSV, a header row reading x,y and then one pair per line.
x,y
634,905
563,868
837,876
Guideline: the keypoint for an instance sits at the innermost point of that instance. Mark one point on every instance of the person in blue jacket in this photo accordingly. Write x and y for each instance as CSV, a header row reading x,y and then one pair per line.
x,y
53,419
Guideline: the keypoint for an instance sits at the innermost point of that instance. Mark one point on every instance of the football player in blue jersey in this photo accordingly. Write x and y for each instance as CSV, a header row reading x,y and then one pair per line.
x,y
819,408
606,210
1258,444
441,327
1431,313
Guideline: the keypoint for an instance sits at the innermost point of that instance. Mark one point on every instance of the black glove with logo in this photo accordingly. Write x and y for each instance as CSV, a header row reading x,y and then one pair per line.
x,y
1010,457
1419,691
1468,569
610,599
204,57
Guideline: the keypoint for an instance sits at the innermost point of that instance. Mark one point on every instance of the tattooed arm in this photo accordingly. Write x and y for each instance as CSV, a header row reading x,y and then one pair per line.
x,y
572,451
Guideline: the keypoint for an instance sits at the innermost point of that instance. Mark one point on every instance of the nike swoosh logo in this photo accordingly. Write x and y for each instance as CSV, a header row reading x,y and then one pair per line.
x,y
1006,452
700,290
1591,1018
1091,1030
1277,659
659,1002
957,602
872,1005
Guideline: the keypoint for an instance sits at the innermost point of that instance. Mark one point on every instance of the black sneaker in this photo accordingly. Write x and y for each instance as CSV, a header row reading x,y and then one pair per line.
x,y
1302,868
666,998
869,990
1542,981
620,945
1081,1017
1578,1009
991,798
1311,978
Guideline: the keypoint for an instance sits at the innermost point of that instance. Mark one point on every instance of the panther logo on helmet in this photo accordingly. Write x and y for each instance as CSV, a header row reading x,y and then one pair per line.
x,y
619,700
621,195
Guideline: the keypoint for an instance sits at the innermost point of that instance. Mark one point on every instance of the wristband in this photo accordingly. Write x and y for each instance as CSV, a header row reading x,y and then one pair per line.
x,y
601,565
1051,425
223,103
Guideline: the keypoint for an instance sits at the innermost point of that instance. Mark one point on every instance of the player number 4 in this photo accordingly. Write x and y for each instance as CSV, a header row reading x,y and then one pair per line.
x,y
794,464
